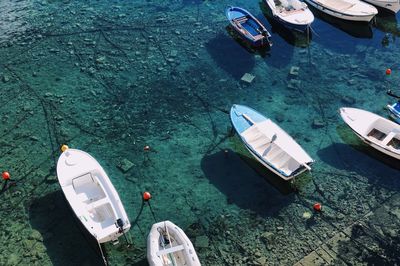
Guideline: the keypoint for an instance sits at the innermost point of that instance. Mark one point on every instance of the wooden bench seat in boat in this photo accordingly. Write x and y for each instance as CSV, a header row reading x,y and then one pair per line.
x,y
170,250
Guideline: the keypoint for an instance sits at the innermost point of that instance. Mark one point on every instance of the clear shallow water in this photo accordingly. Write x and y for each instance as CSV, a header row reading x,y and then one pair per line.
x,y
111,77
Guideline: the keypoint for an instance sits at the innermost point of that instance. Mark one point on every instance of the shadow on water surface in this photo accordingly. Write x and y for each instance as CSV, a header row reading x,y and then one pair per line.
x,y
63,237
361,30
230,56
243,186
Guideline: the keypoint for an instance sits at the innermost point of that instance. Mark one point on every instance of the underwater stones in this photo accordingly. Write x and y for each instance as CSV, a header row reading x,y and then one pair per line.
x,y
101,60
202,242
280,118
307,215
293,84
5,79
267,238
173,53
294,71
318,123
248,78
13,259
125,165
261,261
348,100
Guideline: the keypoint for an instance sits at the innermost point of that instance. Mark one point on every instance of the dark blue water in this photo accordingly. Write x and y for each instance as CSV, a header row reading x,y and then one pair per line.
x,y
110,77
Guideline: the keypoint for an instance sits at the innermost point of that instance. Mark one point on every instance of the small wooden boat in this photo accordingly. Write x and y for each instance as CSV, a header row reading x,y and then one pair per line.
x,y
248,26
293,14
353,10
392,5
167,245
92,196
269,144
378,132
394,111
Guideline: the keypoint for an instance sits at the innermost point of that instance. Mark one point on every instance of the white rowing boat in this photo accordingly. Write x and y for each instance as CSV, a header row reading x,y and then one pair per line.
x,y
269,143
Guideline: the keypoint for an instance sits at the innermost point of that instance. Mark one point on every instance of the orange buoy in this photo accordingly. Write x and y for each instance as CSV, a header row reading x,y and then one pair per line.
x,y
317,207
388,71
146,148
6,175
146,196
64,148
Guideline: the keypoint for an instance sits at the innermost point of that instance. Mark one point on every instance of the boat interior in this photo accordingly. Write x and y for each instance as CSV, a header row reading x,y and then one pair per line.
x,y
91,193
268,149
249,25
339,5
170,251
383,132
289,6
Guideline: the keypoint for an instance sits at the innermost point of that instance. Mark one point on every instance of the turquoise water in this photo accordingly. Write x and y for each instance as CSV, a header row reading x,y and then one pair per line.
x,y
110,77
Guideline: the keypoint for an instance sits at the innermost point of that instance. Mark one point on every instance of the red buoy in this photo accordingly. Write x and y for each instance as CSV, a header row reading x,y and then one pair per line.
x,y
146,148
146,196
388,71
6,175
317,207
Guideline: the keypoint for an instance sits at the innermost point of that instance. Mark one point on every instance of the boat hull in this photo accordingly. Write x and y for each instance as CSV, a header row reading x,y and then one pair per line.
x,y
292,22
334,13
370,128
393,6
82,179
242,126
173,248
394,113
233,13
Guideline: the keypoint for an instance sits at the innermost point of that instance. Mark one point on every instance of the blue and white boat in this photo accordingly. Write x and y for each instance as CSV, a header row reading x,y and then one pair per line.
x,y
394,111
248,26
269,144
292,14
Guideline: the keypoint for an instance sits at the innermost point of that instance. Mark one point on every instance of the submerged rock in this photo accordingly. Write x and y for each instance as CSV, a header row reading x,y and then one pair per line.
x,y
318,123
248,78
125,165
202,242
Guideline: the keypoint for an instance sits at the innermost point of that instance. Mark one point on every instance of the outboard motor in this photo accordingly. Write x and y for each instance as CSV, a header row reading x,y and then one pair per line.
x,y
120,225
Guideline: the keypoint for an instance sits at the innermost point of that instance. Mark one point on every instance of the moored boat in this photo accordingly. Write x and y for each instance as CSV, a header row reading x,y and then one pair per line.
x,y
268,143
394,111
293,14
167,244
92,196
376,131
353,10
392,5
248,26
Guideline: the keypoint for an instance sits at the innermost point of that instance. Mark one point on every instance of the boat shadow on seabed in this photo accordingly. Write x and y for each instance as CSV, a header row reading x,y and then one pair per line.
x,y
64,240
230,173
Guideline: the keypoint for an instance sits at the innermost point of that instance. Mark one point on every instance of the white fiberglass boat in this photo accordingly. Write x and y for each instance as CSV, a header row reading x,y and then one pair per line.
x,y
378,132
392,5
353,10
293,14
92,196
